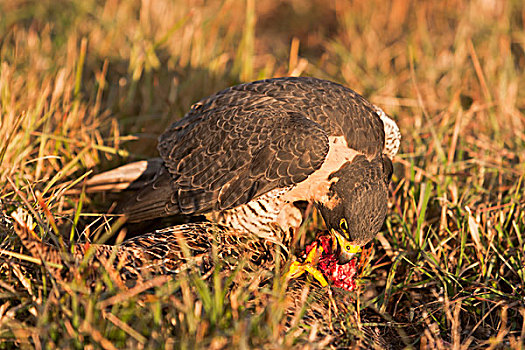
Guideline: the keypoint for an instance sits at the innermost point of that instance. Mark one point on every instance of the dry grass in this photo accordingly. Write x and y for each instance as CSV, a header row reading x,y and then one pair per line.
x,y
87,85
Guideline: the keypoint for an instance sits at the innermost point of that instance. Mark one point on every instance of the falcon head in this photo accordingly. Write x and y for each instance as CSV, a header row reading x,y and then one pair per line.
x,y
355,206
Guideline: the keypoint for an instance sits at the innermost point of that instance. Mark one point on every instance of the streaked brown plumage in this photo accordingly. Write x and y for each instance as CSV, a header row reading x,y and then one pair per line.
x,y
164,252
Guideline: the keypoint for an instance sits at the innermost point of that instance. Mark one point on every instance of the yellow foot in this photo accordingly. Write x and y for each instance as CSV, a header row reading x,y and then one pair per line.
x,y
297,268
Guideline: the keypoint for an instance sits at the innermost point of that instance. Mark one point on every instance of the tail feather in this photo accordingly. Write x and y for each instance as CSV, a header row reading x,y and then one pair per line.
x,y
131,176
149,183
150,201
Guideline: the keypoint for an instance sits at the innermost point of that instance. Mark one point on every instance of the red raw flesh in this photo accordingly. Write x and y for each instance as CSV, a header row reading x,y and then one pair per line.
x,y
342,276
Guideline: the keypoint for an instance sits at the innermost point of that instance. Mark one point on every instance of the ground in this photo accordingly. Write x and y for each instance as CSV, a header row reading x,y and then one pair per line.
x,y
88,85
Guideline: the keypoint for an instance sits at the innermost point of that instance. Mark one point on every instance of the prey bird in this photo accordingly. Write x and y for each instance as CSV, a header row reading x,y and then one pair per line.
x,y
204,249
244,155
192,247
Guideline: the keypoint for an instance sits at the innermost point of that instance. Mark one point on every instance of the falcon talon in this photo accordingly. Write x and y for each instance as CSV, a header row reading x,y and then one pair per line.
x,y
297,268
318,275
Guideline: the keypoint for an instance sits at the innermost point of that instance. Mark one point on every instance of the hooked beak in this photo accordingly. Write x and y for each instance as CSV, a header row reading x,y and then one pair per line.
x,y
346,249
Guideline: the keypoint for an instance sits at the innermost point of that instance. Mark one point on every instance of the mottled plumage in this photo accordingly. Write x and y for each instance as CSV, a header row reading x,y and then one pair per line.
x,y
164,252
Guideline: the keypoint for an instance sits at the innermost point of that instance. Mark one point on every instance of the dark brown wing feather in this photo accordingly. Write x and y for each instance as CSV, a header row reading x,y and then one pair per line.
x,y
249,139
217,168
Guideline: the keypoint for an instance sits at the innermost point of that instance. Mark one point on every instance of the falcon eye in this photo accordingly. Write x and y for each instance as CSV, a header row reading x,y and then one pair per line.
x,y
343,225
347,247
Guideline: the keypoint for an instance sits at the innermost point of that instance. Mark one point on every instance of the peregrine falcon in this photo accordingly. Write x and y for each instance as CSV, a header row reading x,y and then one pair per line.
x,y
244,155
